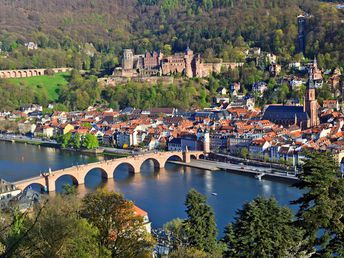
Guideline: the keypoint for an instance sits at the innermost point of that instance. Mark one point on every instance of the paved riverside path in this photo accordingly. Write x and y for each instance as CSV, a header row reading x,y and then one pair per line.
x,y
245,169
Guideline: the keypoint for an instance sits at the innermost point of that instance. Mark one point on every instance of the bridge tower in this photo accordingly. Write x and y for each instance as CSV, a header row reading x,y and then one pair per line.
x,y
206,141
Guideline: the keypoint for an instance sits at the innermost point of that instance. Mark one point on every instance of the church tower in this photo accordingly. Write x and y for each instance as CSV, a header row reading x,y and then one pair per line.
x,y
311,104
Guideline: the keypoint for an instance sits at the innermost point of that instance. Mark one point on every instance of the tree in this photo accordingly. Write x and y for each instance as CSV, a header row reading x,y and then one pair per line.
x,y
90,142
244,153
56,230
69,190
188,252
200,226
75,141
321,206
121,231
175,229
65,140
262,229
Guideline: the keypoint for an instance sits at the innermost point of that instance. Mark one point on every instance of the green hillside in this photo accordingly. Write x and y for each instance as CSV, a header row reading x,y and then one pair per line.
x,y
49,84
64,30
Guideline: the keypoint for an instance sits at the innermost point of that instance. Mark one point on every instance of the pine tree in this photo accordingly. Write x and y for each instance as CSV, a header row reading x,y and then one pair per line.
x,y
321,212
262,229
200,226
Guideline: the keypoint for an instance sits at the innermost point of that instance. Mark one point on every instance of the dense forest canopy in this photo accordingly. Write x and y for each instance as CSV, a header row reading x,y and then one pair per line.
x,y
212,27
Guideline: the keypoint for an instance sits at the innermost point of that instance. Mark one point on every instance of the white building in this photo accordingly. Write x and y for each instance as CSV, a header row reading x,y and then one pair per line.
x,y
7,192
147,224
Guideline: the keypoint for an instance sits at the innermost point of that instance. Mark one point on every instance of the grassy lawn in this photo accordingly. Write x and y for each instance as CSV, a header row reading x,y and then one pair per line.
x,y
51,83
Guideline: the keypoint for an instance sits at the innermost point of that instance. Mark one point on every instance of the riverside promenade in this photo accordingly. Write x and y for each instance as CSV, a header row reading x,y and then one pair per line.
x,y
258,172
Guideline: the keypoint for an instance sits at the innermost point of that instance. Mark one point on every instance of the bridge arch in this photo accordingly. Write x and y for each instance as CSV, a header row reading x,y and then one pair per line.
x,y
124,170
35,186
192,156
66,179
95,177
157,163
174,157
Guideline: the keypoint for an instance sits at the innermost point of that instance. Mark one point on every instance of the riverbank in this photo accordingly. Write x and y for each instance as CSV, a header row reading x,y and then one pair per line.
x,y
258,172
53,144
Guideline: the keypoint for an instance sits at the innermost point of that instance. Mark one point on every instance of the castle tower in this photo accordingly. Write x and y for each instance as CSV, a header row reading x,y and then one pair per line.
x,y
188,62
128,59
206,142
311,104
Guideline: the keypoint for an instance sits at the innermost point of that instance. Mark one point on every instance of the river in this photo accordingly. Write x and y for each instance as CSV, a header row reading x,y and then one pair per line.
x,y
160,192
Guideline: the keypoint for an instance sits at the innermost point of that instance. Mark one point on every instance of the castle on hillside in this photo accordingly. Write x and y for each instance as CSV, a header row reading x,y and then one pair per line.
x,y
156,64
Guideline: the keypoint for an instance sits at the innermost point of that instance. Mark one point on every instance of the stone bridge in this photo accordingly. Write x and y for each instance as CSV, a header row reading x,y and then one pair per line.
x,y
6,74
108,167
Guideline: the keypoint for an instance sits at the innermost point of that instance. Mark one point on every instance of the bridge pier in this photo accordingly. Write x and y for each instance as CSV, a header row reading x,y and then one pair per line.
x,y
186,157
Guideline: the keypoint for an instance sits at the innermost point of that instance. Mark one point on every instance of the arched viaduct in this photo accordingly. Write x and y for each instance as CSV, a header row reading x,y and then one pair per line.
x,y
79,172
6,74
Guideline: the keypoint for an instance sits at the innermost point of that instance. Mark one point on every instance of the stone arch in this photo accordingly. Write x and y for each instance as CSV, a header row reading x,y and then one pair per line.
x,y
14,74
25,74
156,162
124,171
34,73
174,157
104,174
98,177
30,185
9,75
192,156
74,180
201,156
20,74
131,168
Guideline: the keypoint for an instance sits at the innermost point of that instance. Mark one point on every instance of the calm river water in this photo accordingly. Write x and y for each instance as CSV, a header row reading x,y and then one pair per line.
x,y
160,192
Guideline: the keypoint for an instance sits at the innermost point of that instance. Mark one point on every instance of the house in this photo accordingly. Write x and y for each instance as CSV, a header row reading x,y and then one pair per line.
x,y
235,87
331,104
191,142
65,128
296,83
31,46
141,213
175,144
125,138
27,109
260,87
48,131
26,127
258,148
219,141
275,69
151,143
221,91
7,192
162,111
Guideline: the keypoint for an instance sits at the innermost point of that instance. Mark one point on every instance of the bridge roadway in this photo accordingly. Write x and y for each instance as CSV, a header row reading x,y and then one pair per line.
x,y
79,172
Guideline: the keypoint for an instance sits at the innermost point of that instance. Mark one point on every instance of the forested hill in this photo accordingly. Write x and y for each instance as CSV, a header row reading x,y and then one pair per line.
x,y
212,27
